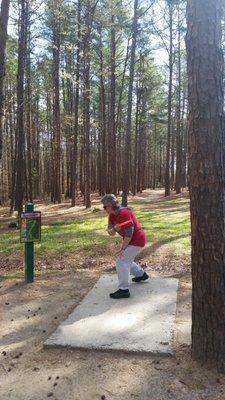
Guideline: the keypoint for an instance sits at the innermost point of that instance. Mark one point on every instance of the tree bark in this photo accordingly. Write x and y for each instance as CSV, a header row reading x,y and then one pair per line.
x,y
75,138
207,190
20,136
87,60
178,178
112,125
126,157
167,172
56,102
135,163
4,15
28,108
102,119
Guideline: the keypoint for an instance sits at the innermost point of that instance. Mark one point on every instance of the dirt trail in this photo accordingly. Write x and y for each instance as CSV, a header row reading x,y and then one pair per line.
x,y
30,313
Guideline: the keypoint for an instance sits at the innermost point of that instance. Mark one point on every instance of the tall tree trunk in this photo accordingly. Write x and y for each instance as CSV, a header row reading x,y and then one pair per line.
x,y
134,174
207,190
102,119
4,15
112,126
13,142
118,113
76,111
184,150
56,106
87,60
126,158
167,172
172,163
178,178
36,147
20,135
160,162
88,21
28,108
154,158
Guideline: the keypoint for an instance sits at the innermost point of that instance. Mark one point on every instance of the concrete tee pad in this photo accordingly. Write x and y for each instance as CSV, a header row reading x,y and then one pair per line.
x,y
142,323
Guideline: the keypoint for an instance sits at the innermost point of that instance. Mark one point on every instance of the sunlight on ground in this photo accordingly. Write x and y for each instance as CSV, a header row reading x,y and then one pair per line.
x,y
70,230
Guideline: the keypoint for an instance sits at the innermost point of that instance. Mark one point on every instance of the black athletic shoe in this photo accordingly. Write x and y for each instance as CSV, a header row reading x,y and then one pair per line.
x,y
140,278
120,294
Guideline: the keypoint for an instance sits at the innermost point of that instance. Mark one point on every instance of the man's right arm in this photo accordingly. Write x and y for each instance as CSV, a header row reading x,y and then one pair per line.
x,y
111,231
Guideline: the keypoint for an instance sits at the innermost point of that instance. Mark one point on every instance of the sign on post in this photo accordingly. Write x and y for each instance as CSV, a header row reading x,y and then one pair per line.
x,y
30,227
30,232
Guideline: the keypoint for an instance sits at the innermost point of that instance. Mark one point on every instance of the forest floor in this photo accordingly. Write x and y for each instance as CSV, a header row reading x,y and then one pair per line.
x,y
31,312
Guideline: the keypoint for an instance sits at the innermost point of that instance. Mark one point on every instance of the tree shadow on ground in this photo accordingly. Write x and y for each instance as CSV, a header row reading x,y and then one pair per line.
x,y
152,248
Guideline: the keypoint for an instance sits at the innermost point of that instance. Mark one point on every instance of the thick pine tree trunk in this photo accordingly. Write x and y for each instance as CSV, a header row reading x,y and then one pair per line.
x,y
4,15
102,119
76,111
135,163
160,162
154,159
13,144
207,191
28,109
87,88
178,118
56,112
183,133
88,21
167,172
127,150
20,137
121,92
112,133
36,148
172,152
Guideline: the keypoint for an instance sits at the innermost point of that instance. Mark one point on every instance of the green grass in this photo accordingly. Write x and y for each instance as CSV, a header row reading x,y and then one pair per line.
x,y
20,274
166,226
58,237
164,221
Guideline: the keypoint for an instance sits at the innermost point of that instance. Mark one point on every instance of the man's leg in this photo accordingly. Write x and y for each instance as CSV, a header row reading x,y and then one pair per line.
x,y
124,266
136,270
123,272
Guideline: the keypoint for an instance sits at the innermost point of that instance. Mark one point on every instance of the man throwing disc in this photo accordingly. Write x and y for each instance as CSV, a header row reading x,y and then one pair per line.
x,y
122,220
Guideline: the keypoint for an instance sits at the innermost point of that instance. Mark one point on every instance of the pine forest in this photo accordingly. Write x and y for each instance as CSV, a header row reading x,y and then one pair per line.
x,y
93,99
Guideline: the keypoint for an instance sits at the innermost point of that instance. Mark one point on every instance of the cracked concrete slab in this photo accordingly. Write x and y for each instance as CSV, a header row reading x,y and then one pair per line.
x,y
145,322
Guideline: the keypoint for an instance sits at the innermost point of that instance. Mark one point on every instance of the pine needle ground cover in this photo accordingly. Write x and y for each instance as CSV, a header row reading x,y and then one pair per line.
x,y
80,238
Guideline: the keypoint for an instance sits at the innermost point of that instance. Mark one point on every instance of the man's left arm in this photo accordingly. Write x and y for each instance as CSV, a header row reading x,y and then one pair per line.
x,y
128,233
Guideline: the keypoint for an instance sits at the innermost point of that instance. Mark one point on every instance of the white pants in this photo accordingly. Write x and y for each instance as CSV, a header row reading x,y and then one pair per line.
x,y
125,266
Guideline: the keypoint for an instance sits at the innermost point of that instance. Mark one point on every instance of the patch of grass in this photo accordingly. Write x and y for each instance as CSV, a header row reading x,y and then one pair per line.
x,y
61,236
10,242
70,236
167,221
12,275
166,226
20,274
164,221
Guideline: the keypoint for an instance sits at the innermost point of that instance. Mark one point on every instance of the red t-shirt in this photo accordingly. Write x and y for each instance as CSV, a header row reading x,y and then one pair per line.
x,y
126,218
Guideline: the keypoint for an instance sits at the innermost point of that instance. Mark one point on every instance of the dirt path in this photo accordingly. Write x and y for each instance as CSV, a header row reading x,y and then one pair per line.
x,y
30,372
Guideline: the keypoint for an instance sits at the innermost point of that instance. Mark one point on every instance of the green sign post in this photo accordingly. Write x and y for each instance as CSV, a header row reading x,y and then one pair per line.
x,y
30,232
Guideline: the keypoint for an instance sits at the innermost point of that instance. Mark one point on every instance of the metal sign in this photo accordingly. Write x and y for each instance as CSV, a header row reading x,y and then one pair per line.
x,y
30,230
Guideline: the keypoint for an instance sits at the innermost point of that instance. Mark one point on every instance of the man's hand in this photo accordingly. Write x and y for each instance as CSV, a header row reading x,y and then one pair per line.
x,y
117,228
119,253
111,231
